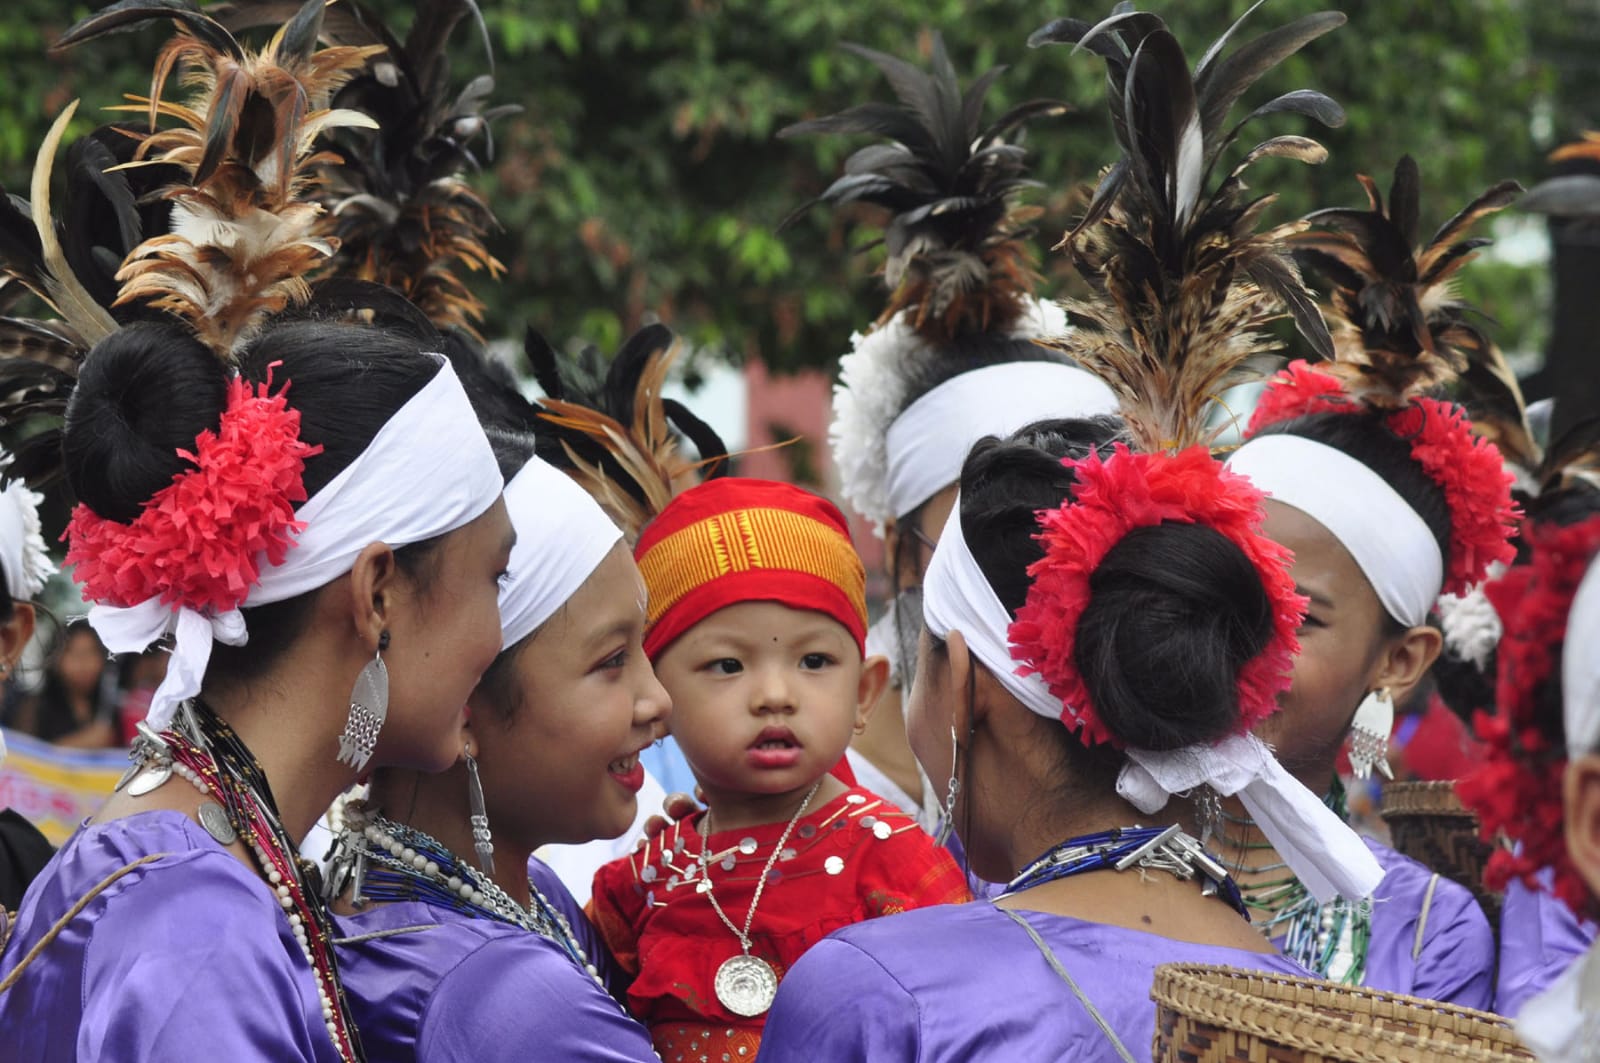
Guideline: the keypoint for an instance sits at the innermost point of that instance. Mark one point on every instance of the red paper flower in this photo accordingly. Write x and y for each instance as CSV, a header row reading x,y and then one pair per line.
x,y
1467,468
1113,497
200,541
1517,790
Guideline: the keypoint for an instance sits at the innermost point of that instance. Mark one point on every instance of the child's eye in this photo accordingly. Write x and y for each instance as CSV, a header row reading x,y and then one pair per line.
x,y
814,661
725,666
615,661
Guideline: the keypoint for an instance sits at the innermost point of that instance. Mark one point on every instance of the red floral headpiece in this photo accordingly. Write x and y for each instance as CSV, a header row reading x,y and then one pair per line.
x,y
1518,787
199,541
1112,497
1467,468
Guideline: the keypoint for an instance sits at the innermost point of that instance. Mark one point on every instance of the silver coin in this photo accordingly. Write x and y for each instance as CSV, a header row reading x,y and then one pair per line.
x,y
747,846
746,985
153,776
833,865
215,821
881,830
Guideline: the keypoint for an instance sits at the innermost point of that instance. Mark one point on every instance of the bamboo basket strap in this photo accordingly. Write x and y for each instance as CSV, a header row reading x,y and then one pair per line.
x,y
72,913
1088,1005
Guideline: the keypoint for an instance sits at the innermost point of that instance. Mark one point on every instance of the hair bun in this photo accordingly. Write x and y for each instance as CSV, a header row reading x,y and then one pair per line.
x,y
1176,611
144,393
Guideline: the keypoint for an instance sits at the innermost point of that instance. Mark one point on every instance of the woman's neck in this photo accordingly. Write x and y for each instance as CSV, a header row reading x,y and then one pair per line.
x,y
436,805
293,734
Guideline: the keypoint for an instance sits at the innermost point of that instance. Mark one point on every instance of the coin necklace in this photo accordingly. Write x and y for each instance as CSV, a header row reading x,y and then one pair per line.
x,y
746,984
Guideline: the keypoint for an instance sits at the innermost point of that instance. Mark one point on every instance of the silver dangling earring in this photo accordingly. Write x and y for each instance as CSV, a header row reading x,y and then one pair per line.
x,y
1369,735
481,842
948,822
369,706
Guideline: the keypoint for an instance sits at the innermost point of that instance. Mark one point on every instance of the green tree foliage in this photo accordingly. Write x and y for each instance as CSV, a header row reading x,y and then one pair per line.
x,y
643,180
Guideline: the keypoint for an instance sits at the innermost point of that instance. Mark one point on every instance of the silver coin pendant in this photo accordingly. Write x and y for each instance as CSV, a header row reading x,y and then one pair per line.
x,y
746,985
215,820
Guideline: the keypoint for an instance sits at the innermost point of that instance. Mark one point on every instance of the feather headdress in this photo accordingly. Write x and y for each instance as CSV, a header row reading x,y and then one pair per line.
x,y
207,221
1183,282
958,261
1399,326
243,231
396,192
618,435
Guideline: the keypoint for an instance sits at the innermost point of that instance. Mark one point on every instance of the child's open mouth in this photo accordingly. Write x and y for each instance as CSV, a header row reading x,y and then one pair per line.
x,y
774,748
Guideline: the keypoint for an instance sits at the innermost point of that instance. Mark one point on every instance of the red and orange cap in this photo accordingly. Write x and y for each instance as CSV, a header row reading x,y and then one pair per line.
x,y
734,540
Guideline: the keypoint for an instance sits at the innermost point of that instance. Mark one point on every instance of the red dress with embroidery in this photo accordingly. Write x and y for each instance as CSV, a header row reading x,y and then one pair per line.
x,y
857,857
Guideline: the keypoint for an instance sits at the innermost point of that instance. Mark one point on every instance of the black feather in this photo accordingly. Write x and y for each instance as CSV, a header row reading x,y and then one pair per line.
x,y
132,14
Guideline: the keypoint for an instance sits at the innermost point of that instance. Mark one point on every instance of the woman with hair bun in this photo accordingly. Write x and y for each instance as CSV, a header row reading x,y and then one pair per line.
x,y
1388,499
312,514
1103,625
958,353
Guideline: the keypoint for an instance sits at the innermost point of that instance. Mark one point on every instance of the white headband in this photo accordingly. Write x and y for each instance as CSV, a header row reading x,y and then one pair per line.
x,y
1319,847
427,472
22,549
562,536
928,443
1390,542
1580,668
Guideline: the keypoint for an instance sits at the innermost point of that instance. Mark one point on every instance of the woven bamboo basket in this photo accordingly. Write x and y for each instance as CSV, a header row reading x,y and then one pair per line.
x,y
1209,1014
1428,823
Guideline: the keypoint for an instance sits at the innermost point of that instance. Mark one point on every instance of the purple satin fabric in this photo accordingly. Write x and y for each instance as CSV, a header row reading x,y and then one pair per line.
x,y
546,881
441,985
1539,939
1456,960
184,957
963,982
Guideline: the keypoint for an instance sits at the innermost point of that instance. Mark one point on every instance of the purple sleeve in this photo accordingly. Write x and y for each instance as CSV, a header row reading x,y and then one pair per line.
x,y
837,1003
517,998
547,882
189,958
1456,957
1539,939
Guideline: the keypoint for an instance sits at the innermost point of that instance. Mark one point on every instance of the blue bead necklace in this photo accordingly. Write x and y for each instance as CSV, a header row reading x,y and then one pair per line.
x,y
1166,849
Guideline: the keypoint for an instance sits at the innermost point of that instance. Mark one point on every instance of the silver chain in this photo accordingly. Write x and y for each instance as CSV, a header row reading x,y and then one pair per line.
x,y
761,883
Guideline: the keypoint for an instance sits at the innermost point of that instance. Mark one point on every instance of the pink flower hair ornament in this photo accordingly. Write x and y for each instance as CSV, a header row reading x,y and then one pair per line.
x,y
1113,497
200,542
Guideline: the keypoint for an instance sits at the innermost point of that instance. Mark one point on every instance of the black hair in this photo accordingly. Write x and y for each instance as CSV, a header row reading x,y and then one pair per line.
x,y
148,390
8,605
939,365
1367,437
1175,610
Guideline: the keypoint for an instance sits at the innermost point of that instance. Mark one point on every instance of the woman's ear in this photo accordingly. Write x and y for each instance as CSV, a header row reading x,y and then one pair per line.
x,y
374,592
1406,660
966,712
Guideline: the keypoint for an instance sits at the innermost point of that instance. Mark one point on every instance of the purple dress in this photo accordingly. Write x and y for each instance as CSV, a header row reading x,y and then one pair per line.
x,y
188,956
1539,939
964,982
429,983
1454,961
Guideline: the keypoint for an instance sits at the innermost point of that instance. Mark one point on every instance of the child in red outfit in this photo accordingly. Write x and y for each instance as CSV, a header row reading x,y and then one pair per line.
x,y
757,619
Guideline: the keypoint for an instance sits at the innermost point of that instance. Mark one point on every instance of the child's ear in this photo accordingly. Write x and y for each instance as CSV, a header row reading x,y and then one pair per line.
x,y
874,681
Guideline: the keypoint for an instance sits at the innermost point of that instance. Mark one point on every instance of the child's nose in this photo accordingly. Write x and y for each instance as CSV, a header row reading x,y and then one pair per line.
x,y
773,692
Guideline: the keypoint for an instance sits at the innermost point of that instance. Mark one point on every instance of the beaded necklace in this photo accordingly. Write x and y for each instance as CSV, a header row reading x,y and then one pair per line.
x,y
1330,940
204,751
1166,849
386,861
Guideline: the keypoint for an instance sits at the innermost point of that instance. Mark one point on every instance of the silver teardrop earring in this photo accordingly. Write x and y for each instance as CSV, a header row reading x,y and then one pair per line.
x,y
369,706
481,842
1369,735
948,821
